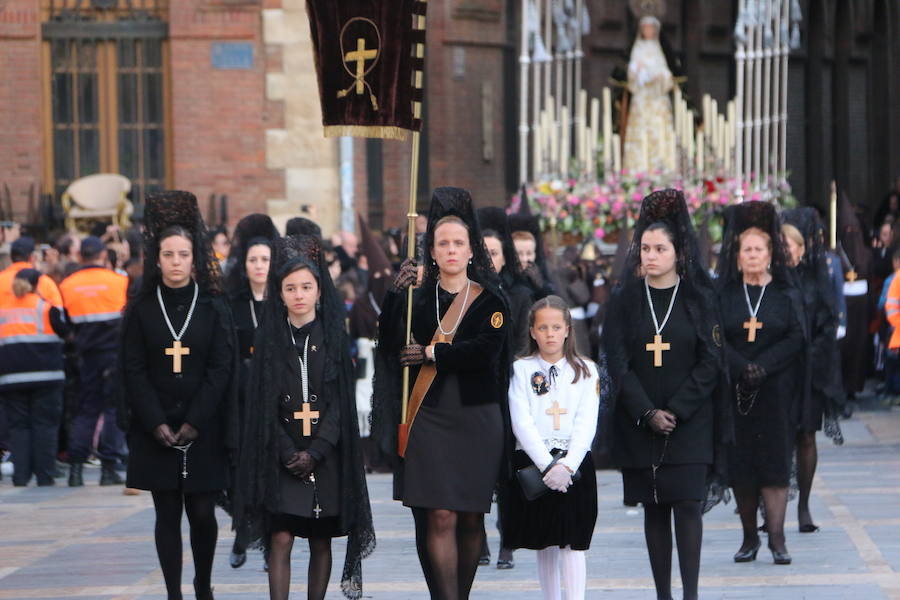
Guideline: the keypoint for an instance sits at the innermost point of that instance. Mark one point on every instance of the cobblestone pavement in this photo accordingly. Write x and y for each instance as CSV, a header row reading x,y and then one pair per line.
x,y
94,542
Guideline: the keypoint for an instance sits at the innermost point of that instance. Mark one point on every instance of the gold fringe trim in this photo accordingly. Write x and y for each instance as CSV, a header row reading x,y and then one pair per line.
x,y
367,131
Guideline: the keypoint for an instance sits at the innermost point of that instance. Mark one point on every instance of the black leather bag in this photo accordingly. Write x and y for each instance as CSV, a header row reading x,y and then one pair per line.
x,y
531,479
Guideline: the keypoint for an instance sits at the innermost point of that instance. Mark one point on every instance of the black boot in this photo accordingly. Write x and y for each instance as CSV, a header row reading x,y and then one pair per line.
x,y
75,478
108,474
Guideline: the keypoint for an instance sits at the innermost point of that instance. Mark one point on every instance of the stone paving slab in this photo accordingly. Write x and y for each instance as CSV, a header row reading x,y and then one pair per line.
x,y
94,542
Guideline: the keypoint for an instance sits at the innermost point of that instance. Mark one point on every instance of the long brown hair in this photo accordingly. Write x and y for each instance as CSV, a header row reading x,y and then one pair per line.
x,y
570,351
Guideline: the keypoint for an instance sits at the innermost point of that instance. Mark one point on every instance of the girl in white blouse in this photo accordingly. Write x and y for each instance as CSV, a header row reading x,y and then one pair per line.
x,y
553,403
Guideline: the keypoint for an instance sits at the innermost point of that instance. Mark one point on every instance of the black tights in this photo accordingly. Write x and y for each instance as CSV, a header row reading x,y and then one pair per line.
x,y
807,457
449,546
318,574
775,502
688,537
201,514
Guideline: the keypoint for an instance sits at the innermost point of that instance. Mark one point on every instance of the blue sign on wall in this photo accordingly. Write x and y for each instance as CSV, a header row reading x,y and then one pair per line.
x,y
232,55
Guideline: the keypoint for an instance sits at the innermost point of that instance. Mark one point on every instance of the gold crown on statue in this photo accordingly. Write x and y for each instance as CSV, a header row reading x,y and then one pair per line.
x,y
648,8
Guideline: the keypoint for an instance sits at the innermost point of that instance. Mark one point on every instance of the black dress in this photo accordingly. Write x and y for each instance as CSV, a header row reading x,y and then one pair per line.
x,y
246,319
764,436
456,443
298,499
683,385
198,395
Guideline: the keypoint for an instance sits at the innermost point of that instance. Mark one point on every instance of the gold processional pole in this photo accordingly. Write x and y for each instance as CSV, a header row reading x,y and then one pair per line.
x,y
411,218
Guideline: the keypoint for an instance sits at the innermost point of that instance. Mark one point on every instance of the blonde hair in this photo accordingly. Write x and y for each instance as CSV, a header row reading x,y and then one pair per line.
x,y
791,232
526,236
21,287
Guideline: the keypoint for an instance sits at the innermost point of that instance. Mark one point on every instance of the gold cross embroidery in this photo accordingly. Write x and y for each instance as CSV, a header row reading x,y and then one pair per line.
x,y
360,56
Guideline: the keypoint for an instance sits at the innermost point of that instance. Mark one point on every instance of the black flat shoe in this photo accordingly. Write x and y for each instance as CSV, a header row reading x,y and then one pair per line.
x,y
781,558
808,528
484,560
505,565
237,559
747,555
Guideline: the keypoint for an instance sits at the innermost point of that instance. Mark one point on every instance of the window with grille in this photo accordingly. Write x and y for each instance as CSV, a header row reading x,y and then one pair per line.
x,y
107,99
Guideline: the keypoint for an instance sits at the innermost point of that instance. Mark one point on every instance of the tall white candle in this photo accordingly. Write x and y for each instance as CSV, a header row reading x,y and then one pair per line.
x,y
645,153
617,153
564,143
607,129
700,163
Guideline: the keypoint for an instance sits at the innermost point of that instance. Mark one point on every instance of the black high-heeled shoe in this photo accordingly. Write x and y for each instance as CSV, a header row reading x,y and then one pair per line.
x,y
747,554
780,558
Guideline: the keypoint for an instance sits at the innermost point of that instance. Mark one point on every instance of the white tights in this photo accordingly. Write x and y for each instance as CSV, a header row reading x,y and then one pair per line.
x,y
574,572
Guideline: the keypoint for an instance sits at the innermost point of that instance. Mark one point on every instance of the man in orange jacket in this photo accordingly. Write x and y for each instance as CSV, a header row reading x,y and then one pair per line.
x,y
93,298
20,252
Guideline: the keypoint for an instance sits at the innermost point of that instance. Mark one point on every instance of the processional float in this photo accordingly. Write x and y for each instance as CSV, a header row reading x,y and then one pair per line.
x,y
572,150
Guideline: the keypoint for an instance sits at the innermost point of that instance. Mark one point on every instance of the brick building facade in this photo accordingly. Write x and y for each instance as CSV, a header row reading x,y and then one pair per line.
x,y
236,110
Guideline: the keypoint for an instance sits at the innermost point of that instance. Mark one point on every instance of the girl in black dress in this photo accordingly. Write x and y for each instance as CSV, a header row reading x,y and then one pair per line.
x,y
458,437
178,360
663,348
250,257
301,467
764,327
804,239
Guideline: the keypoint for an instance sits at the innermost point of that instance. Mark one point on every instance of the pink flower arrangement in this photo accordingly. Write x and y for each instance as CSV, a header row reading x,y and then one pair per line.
x,y
601,208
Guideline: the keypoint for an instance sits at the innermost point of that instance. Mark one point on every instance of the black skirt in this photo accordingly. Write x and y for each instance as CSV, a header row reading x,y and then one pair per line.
x,y
454,454
673,484
326,527
554,519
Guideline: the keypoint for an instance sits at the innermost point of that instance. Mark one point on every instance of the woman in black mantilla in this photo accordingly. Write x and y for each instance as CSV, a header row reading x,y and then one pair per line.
x,y
301,467
178,358
764,325
499,244
251,254
663,349
804,238
460,437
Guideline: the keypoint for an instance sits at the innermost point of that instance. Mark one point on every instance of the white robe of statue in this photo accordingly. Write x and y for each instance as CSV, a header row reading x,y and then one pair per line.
x,y
649,137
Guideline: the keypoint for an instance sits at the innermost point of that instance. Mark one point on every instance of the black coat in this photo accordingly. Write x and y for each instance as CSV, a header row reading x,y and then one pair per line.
x,y
683,385
475,354
296,497
199,395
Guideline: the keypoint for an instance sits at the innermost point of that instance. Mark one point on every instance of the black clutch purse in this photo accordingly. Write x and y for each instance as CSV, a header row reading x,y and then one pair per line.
x,y
531,479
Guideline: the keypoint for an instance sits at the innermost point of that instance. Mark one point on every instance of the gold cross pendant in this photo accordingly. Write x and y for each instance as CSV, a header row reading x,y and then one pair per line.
x,y
751,326
176,351
307,415
657,348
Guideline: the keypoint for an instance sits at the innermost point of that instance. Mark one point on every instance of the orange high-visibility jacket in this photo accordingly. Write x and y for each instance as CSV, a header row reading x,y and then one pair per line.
x,y
46,287
31,353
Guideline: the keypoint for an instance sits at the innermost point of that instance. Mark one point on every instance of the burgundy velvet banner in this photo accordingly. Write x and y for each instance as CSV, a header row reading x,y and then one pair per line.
x,y
366,64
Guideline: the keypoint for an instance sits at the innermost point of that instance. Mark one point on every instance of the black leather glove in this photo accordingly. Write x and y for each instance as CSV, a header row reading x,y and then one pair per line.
x,y
412,355
406,276
301,464
533,273
753,376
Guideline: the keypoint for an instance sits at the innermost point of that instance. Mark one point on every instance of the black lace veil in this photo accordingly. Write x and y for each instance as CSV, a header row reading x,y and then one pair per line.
x,y
258,471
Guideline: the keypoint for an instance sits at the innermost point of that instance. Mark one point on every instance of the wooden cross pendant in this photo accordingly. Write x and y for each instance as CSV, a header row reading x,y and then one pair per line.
x,y
657,348
556,411
176,352
852,276
307,415
751,326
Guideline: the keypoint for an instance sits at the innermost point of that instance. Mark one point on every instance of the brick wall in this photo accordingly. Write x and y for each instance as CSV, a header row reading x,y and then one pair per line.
x,y
219,116
21,142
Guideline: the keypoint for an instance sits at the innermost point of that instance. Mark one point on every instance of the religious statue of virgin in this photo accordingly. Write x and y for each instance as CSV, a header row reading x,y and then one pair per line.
x,y
649,137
